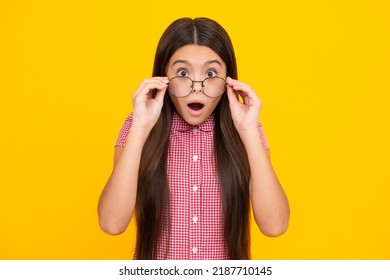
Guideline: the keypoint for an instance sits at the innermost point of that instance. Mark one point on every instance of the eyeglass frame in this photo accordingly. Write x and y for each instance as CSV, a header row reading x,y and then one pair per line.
x,y
192,86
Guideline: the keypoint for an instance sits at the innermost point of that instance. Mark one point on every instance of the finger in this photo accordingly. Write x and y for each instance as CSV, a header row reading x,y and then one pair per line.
x,y
242,94
160,95
245,91
148,85
156,83
241,88
233,82
161,79
232,96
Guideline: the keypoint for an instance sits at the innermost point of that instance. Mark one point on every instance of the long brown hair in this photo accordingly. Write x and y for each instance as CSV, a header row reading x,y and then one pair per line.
x,y
231,157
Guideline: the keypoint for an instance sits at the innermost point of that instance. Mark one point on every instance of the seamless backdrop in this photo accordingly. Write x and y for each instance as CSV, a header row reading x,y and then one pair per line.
x,y
67,73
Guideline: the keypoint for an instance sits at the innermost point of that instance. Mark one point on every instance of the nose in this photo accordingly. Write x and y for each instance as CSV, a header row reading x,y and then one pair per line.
x,y
197,86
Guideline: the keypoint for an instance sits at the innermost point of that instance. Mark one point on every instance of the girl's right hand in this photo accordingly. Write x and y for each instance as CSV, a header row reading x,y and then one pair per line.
x,y
146,110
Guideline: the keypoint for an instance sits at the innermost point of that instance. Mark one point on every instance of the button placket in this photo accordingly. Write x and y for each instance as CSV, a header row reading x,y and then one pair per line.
x,y
194,194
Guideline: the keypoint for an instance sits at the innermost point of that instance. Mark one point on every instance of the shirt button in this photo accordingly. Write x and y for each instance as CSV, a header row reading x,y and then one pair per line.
x,y
195,158
194,188
194,219
195,130
194,250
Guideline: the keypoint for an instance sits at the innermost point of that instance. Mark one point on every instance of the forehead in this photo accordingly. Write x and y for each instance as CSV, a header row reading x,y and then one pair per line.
x,y
195,55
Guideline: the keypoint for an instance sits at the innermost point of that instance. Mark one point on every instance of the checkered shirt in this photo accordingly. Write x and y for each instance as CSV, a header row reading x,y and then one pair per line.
x,y
196,222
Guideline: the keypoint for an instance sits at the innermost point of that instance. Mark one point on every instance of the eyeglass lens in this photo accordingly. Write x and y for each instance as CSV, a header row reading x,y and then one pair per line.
x,y
183,86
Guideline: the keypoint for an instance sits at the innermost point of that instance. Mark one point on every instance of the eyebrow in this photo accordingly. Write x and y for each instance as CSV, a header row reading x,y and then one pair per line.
x,y
206,63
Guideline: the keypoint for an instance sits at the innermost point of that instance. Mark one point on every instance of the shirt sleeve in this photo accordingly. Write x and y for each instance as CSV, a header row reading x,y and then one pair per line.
x,y
262,136
124,132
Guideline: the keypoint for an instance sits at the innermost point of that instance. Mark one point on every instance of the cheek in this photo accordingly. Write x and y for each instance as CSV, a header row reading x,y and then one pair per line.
x,y
178,103
215,102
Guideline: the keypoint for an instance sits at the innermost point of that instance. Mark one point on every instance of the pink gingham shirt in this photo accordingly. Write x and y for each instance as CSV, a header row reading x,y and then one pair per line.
x,y
195,193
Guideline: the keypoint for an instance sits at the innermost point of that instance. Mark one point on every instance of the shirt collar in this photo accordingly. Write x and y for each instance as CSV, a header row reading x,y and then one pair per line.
x,y
179,124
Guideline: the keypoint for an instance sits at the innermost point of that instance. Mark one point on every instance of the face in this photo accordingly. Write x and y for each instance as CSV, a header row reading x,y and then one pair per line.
x,y
198,63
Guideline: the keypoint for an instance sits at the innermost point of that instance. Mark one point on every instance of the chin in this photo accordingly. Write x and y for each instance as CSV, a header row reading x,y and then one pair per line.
x,y
193,120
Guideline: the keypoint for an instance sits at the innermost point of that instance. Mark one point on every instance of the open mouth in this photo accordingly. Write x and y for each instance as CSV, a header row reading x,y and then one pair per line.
x,y
195,106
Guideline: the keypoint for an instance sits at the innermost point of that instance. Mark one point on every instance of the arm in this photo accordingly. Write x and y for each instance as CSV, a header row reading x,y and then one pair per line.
x,y
117,201
269,202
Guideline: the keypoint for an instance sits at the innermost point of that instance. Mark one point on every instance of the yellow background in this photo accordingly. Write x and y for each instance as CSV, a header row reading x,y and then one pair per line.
x,y
321,68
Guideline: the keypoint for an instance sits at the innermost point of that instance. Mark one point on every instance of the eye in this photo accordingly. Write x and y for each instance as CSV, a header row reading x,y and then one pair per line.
x,y
182,73
211,73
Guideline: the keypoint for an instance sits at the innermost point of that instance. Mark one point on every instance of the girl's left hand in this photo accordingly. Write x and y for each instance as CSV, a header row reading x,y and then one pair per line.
x,y
245,115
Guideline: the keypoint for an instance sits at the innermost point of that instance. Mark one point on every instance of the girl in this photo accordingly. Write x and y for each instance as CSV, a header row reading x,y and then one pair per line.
x,y
192,157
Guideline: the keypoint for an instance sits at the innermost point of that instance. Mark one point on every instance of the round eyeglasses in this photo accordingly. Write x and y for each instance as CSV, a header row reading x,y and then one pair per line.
x,y
183,86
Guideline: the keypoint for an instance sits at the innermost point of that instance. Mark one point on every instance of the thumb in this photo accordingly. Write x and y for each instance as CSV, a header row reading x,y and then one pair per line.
x,y
232,96
159,97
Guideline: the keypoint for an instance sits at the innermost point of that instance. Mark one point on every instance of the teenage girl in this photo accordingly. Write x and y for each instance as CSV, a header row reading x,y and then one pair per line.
x,y
191,159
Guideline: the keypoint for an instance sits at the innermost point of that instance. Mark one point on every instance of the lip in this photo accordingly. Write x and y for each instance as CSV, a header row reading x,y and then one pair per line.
x,y
195,113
